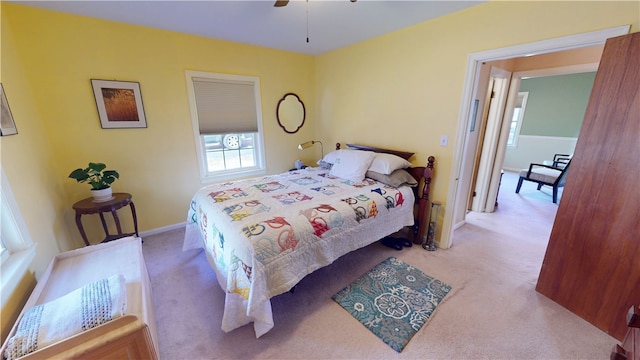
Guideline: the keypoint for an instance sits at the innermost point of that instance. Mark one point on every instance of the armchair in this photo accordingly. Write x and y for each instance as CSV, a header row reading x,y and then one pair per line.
x,y
545,175
561,160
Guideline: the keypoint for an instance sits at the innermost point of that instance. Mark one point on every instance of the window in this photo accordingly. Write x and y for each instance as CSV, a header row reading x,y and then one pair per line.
x,y
4,253
17,247
516,120
227,124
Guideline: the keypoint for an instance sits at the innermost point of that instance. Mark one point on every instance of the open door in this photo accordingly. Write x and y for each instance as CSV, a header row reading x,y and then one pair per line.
x,y
489,159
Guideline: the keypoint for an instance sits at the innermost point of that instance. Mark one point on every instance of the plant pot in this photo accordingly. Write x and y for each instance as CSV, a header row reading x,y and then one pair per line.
x,y
102,195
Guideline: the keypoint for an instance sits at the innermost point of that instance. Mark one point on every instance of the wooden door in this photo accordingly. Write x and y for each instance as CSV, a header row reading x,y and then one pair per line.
x,y
592,262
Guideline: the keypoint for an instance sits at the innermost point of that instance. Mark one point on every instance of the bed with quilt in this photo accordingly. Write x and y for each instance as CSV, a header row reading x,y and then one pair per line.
x,y
262,235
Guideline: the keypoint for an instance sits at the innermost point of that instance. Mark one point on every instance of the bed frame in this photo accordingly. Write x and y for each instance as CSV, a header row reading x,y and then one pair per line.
x,y
423,174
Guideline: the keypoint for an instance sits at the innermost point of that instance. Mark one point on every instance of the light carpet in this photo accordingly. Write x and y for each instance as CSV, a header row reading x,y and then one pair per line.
x,y
492,312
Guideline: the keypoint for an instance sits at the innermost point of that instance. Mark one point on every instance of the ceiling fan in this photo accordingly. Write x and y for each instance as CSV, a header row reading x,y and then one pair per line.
x,y
281,3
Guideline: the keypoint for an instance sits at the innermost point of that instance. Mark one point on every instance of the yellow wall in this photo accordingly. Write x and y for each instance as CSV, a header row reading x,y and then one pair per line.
x,y
30,167
48,59
403,90
157,165
400,91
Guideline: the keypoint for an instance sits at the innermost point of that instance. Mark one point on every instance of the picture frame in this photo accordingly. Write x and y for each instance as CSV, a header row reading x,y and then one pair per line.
x,y
7,124
119,104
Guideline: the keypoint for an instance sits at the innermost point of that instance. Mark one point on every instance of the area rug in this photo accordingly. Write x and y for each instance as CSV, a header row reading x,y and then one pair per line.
x,y
393,300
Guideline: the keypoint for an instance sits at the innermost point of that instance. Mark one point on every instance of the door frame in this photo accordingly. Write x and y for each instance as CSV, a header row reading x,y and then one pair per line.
x,y
464,155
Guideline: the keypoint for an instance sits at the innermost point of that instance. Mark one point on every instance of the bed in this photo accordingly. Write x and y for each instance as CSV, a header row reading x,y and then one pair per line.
x,y
262,235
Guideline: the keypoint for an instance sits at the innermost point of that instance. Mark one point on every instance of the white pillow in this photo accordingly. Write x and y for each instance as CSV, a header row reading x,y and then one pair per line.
x,y
351,164
330,158
384,163
396,179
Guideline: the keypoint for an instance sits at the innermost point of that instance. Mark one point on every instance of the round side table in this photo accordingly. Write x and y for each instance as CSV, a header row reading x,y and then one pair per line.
x,y
88,206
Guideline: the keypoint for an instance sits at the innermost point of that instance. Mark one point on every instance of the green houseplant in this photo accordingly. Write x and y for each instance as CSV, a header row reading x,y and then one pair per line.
x,y
99,179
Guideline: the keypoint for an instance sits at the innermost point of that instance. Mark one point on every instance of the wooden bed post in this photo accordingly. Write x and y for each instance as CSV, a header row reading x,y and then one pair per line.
x,y
420,173
422,224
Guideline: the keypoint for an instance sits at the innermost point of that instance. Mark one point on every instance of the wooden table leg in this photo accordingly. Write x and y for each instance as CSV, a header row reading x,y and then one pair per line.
x,y
116,219
104,225
135,218
81,228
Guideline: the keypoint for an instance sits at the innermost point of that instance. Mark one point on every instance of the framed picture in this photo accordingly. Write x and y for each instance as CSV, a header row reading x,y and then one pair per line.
x,y
119,104
7,125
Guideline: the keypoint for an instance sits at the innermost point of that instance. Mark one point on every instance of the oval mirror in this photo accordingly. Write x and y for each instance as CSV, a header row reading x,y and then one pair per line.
x,y
290,113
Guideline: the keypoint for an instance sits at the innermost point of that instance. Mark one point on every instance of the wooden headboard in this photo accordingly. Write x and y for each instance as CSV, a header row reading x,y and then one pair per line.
x,y
403,154
422,174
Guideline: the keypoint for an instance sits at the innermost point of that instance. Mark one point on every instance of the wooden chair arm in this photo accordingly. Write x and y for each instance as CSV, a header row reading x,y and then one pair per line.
x,y
541,165
561,156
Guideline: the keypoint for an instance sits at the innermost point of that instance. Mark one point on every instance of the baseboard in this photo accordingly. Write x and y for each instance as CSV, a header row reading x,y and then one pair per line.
x,y
162,229
459,224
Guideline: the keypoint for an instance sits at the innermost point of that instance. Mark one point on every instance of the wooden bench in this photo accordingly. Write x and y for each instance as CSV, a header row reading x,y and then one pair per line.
x,y
132,336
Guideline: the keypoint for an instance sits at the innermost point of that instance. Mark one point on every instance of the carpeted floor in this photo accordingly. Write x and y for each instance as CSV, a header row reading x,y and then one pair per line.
x,y
492,311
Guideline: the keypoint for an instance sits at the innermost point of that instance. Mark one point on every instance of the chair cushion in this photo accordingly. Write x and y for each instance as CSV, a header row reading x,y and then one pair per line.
x,y
541,174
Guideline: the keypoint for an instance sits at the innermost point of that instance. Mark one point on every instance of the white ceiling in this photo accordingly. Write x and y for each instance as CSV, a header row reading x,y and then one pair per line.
x,y
332,24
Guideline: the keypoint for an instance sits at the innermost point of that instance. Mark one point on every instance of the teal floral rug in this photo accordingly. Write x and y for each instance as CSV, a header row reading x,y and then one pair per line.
x,y
393,300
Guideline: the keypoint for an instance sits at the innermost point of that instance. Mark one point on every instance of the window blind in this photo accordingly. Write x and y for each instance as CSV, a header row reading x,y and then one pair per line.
x,y
225,106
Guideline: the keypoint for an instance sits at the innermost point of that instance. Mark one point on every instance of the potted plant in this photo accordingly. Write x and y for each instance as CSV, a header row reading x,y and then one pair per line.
x,y
99,179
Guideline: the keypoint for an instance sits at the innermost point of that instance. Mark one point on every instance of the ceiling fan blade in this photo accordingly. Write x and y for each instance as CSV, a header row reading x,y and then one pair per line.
x,y
281,3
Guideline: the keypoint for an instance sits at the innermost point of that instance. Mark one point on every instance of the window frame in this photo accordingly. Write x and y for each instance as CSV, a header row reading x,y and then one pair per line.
x,y
523,105
201,154
20,249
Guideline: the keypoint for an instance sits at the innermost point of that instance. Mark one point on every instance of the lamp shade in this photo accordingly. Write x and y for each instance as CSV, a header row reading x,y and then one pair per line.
x,y
308,144
305,145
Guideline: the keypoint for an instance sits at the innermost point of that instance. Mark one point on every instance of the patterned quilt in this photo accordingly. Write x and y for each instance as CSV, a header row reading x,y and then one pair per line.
x,y
263,235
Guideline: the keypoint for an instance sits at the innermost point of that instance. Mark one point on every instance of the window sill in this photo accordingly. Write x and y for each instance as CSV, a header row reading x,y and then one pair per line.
x,y
14,269
233,175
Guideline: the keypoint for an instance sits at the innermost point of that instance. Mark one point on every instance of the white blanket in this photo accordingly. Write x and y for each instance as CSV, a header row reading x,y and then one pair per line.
x,y
80,310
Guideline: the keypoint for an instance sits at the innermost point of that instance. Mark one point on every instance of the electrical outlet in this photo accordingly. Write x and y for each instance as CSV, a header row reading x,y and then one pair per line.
x,y
444,139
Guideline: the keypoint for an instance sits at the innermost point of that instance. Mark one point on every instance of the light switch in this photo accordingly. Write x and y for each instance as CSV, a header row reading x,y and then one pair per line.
x,y
444,139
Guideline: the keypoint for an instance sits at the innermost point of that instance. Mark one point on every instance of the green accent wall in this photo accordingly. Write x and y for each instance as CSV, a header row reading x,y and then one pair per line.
x,y
556,104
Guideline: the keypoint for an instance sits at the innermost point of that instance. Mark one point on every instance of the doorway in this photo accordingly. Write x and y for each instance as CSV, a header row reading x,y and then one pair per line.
x,y
467,138
503,126
489,143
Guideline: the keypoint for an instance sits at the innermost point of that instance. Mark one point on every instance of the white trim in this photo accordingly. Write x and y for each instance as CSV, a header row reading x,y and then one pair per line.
x,y
523,107
552,45
459,224
454,194
13,271
162,229
493,132
541,137
560,70
18,241
205,175
22,239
